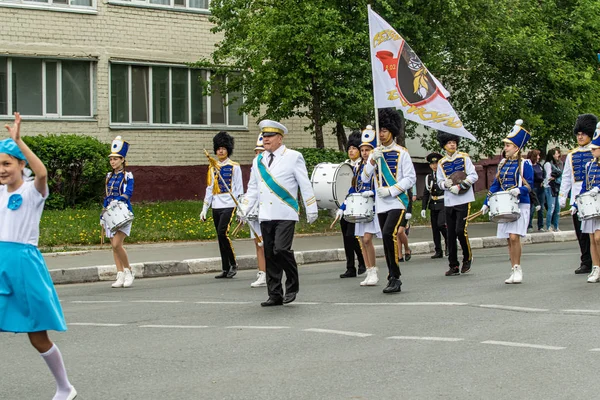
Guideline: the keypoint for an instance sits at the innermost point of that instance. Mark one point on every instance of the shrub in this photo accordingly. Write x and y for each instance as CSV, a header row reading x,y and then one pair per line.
x,y
316,156
77,167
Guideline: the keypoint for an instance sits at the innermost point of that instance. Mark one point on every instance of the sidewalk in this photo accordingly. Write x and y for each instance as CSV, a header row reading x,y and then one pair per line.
x,y
165,259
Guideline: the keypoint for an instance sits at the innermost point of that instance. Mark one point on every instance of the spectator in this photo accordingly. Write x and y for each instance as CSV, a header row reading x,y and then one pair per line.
x,y
538,189
553,173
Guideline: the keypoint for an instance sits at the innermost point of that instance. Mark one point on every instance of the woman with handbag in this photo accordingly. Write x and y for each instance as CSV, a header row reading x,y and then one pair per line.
x,y
553,173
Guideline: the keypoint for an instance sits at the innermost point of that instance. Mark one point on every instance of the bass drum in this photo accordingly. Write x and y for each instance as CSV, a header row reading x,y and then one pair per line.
x,y
331,183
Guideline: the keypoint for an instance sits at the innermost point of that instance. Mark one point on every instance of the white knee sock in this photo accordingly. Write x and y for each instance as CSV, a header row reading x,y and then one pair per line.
x,y
55,362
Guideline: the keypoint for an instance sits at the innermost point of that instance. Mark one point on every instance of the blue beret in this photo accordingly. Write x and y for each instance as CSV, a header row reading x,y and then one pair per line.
x,y
8,146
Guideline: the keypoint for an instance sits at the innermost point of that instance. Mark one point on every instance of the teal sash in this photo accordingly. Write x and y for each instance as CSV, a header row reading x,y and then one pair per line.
x,y
391,181
274,186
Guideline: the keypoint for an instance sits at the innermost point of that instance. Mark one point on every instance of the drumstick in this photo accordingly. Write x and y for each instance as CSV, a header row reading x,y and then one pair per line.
x,y
237,229
337,217
473,216
565,213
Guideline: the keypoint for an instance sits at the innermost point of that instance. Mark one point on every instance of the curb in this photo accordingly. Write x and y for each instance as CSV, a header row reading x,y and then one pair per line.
x,y
213,264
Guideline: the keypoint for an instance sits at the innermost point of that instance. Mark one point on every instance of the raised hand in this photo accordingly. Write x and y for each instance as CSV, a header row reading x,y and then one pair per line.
x,y
15,130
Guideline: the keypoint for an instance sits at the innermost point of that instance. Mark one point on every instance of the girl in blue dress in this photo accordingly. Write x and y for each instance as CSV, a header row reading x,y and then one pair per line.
x,y
28,301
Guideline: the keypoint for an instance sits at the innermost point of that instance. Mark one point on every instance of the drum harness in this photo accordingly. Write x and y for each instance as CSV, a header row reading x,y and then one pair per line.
x,y
520,171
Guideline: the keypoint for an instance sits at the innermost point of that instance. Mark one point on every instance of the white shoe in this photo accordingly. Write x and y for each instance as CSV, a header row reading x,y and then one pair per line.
x,y
261,280
511,278
367,277
595,275
373,278
129,277
120,280
517,274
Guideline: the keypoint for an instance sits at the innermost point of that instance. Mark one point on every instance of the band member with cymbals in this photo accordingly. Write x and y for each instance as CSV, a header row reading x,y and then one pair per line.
x,y
222,181
433,200
572,180
351,241
277,175
515,176
398,175
458,196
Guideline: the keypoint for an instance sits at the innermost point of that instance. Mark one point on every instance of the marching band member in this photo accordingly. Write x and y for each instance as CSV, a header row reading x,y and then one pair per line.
x,y
572,179
28,300
391,201
351,242
433,200
220,182
119,188
515,176
277,175
456,205
404,227
591,184
261,275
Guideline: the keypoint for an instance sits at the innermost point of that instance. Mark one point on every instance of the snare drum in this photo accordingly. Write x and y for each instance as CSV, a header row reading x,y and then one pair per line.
x,y
358,208
504,207
116,216
331,183
251,215
588,206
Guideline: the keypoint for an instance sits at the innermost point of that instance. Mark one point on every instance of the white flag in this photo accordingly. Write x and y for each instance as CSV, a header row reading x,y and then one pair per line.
x,y
400,80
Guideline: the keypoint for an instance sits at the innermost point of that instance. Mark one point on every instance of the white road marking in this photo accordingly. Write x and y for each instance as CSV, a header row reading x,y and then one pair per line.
x,y
594,349
223,302
422,303
256,327
428,338
513,308
156,301
95,301
306,303
515,344
583,311
92,324
175,326
345,333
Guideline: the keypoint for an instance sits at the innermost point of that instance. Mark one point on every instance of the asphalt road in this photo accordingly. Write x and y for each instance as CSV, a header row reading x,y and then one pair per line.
x,y
463,337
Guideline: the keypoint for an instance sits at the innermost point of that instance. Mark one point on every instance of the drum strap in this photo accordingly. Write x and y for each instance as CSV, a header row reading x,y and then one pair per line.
x,y
522,180
279,190
390,180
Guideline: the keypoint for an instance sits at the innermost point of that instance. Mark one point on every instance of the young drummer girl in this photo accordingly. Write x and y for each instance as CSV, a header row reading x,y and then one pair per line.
x,y
516,177
119,187
28,301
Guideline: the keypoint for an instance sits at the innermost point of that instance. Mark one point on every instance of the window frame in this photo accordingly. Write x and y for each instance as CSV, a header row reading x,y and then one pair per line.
x,y
171,6
51,6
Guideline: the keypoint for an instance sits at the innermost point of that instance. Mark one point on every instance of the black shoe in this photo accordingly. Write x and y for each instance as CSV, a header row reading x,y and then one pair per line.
x,y
466,267
407,256
583,269
452,271
272,302
232,271
401,259
350,273
393,286
361,269
221,275
289,297
438,254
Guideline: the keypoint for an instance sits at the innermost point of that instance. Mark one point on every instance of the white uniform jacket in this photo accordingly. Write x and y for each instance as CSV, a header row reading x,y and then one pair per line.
x,y
289,171
574,173
449,164
232,175
402,168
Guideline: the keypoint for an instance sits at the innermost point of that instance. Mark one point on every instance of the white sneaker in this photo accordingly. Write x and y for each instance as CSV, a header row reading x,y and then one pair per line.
x,y
511,278
595,275
517,274
120,280
373,278
261,280
367,277
129,277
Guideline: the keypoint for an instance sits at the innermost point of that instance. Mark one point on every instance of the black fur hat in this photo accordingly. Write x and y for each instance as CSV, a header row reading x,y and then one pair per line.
x,y
445,137
391,120
586,123
223,139
354,140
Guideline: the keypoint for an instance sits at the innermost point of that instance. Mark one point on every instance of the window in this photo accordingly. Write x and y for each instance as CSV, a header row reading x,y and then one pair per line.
x,y
46,88
169,96
85,6
199,5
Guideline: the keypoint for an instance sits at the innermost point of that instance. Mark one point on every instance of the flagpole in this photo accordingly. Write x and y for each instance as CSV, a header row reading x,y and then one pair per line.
x,y
374,97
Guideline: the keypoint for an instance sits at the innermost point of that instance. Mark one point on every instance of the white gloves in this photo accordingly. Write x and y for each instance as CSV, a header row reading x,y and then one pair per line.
x,y
312,217
339,214
515,192
113,202
377,153
573,210
448,183
562,202
367,193
203,213
454,189
484,209
383,192
408,216
594,191
423,213
538,207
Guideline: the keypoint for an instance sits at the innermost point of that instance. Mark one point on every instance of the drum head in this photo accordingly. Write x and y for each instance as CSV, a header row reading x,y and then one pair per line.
x,y
504,218
342,183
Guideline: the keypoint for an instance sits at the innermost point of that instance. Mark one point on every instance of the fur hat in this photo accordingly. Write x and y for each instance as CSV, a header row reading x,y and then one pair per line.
x,y
445,137
586,123
223,139
354,140
391,120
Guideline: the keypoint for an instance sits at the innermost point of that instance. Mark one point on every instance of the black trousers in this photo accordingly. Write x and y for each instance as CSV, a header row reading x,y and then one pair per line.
x,y
457,229
389,222
223,217
278,236
351,245
438,228
584,243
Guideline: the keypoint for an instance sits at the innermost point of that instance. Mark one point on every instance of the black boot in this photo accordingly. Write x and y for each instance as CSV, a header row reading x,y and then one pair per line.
x,y
393,286
438,254
583,269
361,269
350,273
